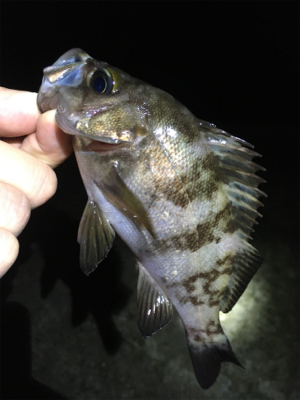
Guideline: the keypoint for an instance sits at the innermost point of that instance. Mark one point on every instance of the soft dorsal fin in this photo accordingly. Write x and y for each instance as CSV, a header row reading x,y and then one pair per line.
x,y
247,262
235,160
154,308
95,236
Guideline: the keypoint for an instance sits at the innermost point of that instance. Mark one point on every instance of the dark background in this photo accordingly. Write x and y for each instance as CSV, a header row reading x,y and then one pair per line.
x,y
235,64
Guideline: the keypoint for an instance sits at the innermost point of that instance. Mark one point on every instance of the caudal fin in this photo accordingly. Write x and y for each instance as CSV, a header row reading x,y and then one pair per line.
x,y
207,359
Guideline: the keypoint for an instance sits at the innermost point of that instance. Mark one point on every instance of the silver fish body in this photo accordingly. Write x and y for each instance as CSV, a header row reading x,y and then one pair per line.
x,y
181,193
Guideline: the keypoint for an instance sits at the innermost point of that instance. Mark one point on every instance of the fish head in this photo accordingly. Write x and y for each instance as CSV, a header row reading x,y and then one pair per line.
x,y
108,113
95,100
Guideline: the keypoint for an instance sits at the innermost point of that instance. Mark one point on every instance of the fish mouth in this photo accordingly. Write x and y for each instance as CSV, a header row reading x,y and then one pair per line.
x,y
96,143
104,145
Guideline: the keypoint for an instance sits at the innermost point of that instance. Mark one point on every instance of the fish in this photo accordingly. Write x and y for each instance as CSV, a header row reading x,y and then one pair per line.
x,y
180,192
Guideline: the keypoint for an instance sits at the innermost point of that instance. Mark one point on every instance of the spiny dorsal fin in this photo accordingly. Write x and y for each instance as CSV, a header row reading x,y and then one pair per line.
x,y
235,159
95,236
154,308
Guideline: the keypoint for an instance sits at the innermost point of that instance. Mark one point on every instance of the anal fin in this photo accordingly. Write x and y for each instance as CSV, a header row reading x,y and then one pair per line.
x,y
154,308
95,236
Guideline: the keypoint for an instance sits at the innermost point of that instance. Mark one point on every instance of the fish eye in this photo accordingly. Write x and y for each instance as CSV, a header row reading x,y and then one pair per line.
x,y
104,80
100,82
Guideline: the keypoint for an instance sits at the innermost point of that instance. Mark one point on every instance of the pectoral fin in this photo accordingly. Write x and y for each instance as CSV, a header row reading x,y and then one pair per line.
x,y
95,236
154,308
117,193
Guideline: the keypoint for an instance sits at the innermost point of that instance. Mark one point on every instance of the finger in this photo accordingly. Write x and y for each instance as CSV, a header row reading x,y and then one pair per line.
x,y
50,144
18,112
14,209
9,246
22,125
26,173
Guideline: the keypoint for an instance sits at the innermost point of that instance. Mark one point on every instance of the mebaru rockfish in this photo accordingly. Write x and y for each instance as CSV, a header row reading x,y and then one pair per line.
x,y
180,192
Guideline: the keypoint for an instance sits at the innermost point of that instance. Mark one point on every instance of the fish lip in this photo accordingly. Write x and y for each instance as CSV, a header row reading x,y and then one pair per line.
x,y
106,139
47,99
99,146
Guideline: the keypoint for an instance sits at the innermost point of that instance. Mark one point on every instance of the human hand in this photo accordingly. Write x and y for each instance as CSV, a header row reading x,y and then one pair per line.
x,y
31,144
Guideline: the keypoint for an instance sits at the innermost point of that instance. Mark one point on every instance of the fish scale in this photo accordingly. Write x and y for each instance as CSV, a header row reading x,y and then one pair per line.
x,y
180,192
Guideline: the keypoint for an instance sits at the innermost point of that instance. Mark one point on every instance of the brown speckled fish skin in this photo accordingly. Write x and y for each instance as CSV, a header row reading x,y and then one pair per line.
x,y
180,192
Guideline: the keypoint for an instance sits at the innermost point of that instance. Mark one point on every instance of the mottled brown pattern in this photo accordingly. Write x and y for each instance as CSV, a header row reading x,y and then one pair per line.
x,y
208,162
214,303
209,189
191,185
228,258
228,270
216,297
212,328
197,338
189,286
186,189
162,181
209,278
203,179
184,241
203,234
194,184
224,215
172,191
205,229
230,226
199,188
195,300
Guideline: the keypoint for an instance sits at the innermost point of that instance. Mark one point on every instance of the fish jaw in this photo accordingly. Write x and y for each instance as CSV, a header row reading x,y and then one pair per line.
x,y
97,125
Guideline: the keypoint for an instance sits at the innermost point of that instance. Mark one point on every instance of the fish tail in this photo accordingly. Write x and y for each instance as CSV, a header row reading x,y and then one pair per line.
x,y
207,359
